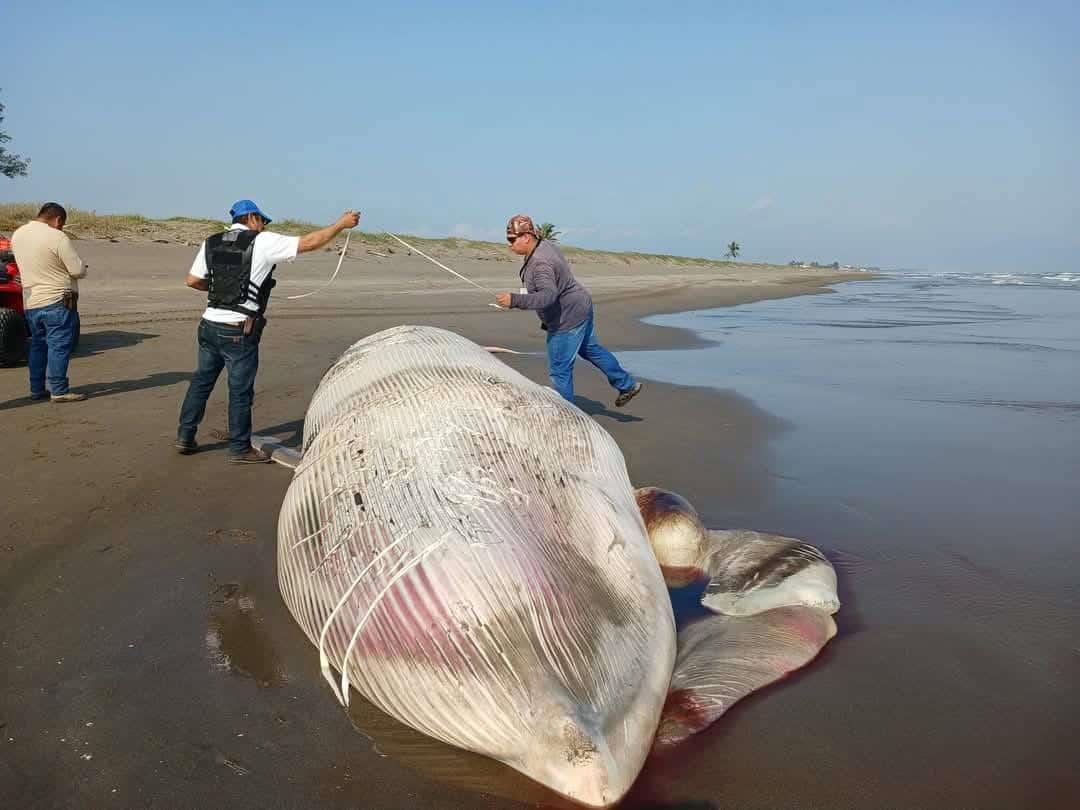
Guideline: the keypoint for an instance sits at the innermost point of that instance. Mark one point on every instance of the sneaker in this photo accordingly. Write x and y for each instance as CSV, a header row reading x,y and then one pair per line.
x,y
185,447
252,456
39,397
68,397
626,396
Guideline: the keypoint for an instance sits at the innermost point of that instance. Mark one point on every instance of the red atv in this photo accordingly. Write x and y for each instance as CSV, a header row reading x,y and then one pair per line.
x,y
13,331
14,334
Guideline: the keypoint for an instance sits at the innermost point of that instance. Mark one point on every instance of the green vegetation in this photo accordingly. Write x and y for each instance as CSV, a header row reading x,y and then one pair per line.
x,y
84,224
548,231
732,250
10,165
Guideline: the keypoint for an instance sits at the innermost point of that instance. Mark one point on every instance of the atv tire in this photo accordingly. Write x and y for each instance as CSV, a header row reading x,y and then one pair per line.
x,y
13,337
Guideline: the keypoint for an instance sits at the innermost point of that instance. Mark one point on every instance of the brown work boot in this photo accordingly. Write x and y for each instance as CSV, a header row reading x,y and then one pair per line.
x,y
68,397
626,396
252,456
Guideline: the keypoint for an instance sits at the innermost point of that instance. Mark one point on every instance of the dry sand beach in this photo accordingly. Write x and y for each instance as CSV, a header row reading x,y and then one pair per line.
x,y
148,658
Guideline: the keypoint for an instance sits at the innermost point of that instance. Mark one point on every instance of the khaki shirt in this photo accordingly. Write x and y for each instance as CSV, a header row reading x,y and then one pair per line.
x,y
47,263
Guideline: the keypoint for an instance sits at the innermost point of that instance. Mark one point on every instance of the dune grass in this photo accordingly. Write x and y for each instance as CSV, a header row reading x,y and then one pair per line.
x,y
83,224
86,224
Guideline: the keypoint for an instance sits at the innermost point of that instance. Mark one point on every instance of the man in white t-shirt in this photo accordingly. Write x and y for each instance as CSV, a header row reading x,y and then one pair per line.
x,y
236,269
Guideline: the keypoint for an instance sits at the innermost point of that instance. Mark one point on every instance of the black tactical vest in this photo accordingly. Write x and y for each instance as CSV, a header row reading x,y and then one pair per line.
x,y
228,264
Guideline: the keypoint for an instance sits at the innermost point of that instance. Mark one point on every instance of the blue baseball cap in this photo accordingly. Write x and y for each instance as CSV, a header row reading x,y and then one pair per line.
x,y
243,207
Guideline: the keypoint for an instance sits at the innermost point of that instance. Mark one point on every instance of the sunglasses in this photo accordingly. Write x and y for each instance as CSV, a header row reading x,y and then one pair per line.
x,y
512,239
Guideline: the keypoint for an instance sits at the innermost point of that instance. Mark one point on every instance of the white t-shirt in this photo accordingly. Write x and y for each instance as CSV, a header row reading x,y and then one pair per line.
x,y
270,248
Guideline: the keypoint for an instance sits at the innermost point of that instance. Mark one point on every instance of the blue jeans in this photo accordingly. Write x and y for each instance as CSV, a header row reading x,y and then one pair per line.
x,y
563,349
52,330
223,345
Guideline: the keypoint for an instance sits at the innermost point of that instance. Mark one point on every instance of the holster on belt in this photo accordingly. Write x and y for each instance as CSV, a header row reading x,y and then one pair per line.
x,y
254,325
71,300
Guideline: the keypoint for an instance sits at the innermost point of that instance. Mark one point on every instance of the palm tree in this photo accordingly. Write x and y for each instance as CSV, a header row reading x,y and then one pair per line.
x,y
545,230
732,251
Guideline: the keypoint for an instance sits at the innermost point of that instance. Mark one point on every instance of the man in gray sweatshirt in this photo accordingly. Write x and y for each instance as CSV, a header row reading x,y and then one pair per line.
x,y
565,309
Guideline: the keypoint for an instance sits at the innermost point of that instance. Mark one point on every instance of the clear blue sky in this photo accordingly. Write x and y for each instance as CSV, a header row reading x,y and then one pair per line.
x,y
897,134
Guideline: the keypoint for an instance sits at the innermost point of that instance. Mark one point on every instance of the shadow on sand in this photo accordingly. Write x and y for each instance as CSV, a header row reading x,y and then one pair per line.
x,y
155,380
91,343
594,409
105,389
287,434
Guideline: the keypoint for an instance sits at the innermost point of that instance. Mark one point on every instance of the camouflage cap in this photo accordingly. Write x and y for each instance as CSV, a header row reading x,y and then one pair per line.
x,y
519,224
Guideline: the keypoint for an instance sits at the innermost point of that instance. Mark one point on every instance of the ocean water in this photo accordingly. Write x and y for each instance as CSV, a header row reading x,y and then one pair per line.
x,y
929,442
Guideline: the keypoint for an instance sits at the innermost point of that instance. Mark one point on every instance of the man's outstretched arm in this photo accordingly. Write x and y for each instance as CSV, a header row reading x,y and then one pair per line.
x,y
321,238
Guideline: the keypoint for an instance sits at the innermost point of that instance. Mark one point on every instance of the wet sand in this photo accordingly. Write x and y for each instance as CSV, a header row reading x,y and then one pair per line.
x,y
931,449
146,657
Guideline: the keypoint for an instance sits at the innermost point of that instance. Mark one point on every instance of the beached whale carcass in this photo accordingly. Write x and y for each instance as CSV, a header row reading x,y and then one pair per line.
x,y
465,549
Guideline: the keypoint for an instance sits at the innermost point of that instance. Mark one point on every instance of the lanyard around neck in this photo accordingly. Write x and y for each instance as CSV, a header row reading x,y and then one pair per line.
x,y
525,263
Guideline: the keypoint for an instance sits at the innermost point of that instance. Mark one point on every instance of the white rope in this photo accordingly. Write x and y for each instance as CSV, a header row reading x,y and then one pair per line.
x,y
422,555
337,269
501,350
324,658
437,263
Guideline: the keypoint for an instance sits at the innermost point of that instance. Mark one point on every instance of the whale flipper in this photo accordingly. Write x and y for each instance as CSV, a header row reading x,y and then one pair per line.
x,y
751,572
721,659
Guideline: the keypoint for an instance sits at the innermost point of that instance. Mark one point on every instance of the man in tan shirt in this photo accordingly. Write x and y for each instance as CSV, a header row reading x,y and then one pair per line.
x,y
49,267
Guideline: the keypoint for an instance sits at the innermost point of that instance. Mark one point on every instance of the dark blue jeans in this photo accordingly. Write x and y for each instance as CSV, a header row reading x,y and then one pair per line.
x,y
52,330
563,349
221,346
